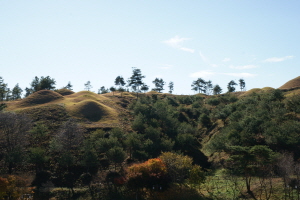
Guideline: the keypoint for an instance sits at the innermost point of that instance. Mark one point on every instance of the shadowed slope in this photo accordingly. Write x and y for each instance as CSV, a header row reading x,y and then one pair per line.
x,y
64,92
92,111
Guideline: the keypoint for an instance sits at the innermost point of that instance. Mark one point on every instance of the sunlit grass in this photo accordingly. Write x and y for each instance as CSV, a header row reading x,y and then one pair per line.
x,y
91,108
292,93
294,83
220,185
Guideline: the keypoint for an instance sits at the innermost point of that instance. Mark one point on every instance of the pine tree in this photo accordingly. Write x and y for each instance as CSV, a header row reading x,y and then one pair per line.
x,y
171,87
3,89
199,85
159,84
217,90
231,86
135,81
16,92
242,84
69,86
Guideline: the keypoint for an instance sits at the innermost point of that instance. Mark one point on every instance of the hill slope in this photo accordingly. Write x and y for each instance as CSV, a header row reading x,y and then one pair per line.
x,y
294,83
91,109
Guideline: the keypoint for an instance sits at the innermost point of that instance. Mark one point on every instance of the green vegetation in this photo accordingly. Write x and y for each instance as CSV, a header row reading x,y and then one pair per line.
x,y
60,144
159,84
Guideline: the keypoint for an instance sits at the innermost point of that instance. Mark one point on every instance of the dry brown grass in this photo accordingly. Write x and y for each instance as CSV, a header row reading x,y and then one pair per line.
x,y
257,90
292,93
92,111
89,106
267,89
64,92
82,93
249,92
120,94
294,83
153,92
41,97
86,95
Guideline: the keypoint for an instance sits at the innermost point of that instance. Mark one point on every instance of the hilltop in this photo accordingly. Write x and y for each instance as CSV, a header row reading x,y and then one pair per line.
x,y
104,110
91,109
292,84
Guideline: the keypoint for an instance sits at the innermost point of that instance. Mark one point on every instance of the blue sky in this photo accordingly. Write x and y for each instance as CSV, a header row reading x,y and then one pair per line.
x,y
179,41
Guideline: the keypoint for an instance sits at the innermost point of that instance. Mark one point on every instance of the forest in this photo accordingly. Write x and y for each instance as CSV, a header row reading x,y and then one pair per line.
x,y
134,144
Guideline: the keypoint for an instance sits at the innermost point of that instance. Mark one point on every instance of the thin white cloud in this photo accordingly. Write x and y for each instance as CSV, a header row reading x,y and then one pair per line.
x,y
226,60
277,59
176,42
240,74
243,67
166,66
187,49
206,60
202,56
202,74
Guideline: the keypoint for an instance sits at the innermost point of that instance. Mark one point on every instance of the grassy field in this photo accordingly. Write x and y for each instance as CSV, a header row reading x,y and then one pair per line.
x,y
222,186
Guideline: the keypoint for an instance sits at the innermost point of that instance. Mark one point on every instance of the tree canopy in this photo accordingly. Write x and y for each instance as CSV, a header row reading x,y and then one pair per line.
x,y
159,84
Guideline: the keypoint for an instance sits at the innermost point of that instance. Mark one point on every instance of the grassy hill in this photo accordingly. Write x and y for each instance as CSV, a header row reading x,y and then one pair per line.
x,y
92,110
208,128
292,84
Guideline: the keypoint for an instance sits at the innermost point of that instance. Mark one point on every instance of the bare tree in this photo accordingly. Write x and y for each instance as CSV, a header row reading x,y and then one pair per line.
x,y
88,86
13,138
66,145
69,137
286,168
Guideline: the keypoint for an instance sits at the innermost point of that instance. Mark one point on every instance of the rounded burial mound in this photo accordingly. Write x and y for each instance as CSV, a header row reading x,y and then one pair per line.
x,y
64,92
86,95
249,92
267,89
294,83
41,97
91,110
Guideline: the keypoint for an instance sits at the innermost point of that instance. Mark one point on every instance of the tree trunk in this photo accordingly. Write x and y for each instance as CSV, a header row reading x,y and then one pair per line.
x,y
10,167
248,186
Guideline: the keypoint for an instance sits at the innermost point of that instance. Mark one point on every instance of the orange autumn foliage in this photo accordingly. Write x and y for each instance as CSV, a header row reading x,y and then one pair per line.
x,y
13,187
152,166
149,174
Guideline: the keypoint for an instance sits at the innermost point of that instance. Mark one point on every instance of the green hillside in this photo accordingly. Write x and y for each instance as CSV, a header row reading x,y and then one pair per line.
x,y
240,145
